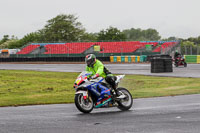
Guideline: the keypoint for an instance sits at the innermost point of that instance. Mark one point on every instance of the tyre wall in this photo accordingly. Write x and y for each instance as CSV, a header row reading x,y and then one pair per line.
x,y
160,65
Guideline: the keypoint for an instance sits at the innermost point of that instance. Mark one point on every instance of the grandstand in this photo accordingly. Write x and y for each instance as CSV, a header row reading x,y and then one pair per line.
x,y
81,48
28,49
166,46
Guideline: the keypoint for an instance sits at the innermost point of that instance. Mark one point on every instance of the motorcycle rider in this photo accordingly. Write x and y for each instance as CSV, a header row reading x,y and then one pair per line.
x,y
99,70
176,55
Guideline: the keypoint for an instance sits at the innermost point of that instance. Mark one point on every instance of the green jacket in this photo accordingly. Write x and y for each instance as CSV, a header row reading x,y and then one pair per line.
x,y
98,67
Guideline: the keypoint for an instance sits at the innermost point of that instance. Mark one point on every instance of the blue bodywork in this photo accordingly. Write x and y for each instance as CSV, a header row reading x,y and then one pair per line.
x,y
96,88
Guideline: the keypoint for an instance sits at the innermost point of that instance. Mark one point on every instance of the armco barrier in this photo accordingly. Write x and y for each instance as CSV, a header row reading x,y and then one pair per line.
x,y
142,58
191,58
129,59
122,58
83,55
111,58
118,58
198,58
133,59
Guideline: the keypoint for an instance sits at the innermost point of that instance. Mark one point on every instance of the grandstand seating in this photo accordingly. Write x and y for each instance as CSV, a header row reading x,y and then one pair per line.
x,y
71,48
164,46
28,49
119,47
105,47
80,47
77,48
55,49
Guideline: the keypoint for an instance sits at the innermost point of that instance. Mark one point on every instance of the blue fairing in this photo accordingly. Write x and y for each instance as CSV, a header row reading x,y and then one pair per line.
x,y
95,87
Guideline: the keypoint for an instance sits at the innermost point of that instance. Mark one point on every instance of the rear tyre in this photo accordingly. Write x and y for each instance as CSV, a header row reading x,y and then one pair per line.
x,y
185,64
125,103
85,106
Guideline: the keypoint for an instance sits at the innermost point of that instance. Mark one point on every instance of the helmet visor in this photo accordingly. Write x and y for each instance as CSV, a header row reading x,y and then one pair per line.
x,y
89,62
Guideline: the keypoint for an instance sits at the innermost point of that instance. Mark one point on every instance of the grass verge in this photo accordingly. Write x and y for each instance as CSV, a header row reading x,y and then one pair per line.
x,y
18,87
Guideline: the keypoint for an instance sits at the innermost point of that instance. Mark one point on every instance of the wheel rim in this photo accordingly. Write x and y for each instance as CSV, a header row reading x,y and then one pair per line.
x,y
85,104
127,100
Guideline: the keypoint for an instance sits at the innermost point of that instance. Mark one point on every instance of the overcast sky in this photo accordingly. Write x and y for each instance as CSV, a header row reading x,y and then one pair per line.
x,y
179,18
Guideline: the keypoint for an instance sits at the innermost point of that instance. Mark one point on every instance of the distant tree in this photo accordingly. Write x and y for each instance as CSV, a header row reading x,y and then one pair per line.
x,y
5,38
8,43
171,38
198,39
133,34
187,43
186,46
89,37
152,34
31,37
141,35
111,34
195,40
62,28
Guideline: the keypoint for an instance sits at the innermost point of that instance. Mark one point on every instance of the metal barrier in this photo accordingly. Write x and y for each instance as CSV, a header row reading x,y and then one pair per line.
x,y
129,59
50,59
192,58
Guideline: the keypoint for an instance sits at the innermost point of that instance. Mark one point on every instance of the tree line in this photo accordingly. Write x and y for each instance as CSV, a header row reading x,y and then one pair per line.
x,y
67,28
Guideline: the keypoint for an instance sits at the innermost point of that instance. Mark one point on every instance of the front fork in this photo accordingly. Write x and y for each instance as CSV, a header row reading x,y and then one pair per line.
x,y
84,93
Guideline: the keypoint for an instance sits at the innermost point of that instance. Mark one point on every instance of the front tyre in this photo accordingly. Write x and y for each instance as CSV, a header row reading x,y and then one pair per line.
x,y
84,105
125,103
176,64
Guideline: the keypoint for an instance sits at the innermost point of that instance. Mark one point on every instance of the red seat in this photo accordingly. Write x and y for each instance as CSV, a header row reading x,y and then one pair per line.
x,y
28,49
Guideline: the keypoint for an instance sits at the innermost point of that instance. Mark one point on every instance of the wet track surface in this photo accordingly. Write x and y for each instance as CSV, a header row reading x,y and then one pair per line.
x,y
179,114
193,70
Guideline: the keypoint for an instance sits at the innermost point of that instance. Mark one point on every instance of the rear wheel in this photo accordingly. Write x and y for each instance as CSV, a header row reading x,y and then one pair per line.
x,y
84,105
185,64
125,103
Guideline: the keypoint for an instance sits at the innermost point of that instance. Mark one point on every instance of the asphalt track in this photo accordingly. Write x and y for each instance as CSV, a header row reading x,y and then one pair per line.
x,y
179,114
193,70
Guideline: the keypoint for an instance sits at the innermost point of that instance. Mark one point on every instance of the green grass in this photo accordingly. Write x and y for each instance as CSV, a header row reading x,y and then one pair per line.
x,y
32,87
150,86
18,87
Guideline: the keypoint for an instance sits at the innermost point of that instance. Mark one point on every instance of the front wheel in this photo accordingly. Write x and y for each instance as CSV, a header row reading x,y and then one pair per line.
x,y
176,64
125,103
84,105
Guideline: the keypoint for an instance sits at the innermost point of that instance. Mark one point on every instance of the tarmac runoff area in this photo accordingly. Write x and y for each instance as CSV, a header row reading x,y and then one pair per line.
x,y
192,70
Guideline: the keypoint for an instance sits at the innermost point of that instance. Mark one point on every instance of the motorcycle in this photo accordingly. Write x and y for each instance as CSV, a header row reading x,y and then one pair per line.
x,y
180,61
96,93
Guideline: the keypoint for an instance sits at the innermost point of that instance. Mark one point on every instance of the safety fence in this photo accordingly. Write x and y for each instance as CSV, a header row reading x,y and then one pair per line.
x,y
192,58
80,55
129,59
50,59
190,50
